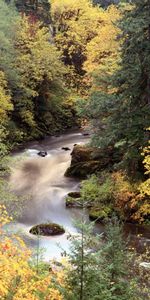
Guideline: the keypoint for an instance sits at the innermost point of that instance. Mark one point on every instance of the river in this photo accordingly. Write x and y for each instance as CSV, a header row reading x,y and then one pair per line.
x,y
42,179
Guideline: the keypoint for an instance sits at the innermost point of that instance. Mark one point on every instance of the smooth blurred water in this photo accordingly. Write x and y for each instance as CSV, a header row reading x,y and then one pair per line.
x,y
42,178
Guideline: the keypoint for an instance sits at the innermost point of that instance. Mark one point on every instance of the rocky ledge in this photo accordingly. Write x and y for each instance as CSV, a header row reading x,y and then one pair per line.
x,y
88,160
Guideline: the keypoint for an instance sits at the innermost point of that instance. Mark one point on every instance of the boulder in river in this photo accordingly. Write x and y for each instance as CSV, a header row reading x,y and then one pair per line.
x,y
75,195
48,229
66,148
74,200
88,160
42,153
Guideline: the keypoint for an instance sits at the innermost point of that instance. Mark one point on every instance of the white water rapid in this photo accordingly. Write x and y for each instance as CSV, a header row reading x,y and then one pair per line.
x,y
42,178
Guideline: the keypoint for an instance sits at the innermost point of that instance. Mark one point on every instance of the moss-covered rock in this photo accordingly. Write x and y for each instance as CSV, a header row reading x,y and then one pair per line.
x,y
82,170
75,195
100,213
88,160
48,229
74,200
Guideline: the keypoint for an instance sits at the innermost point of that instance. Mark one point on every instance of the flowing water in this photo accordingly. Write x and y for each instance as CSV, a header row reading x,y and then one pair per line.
x,y
42,179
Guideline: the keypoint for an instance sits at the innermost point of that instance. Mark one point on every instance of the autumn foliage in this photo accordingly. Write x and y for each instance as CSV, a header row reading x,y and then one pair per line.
x,y
19,279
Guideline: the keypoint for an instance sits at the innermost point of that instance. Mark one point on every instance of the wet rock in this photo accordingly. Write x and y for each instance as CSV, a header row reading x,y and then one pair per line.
x,y
82,170
70,202
88,160
42,153
66,148
48,229
73,200
74,195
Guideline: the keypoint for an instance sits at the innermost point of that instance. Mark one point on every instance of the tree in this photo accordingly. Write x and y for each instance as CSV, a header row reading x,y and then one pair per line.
x,y
145,187
78,27
117,262
5,100
120,110
18,278
39,68
75,24
102,52
37,10
85,279
5,108
133,82
34,74
100,267
105,3
9,19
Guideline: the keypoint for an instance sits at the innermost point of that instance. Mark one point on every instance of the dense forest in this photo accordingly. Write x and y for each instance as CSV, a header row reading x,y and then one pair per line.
x,y
72,64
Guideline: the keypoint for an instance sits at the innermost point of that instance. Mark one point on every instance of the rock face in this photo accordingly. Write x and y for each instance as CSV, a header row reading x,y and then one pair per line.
x,y
88,160
49,229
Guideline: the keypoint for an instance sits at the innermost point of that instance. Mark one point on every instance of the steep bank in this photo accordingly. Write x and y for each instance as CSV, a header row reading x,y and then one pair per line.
x,y
109,190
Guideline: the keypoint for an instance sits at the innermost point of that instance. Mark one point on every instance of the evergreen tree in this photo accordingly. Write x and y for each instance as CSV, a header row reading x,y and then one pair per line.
x,y
100,267
85,279
119,105
117,263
